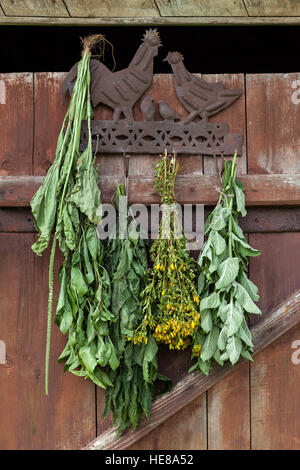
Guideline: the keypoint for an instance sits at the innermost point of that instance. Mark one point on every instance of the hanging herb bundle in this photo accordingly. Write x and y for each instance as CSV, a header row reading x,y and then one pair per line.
x,y
170,301
69,203
126,261
227,295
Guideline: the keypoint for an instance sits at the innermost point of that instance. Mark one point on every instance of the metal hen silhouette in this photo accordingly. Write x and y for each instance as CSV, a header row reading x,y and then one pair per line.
x,y
196,95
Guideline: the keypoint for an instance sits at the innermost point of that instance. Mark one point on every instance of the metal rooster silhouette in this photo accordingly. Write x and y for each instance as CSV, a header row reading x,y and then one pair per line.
x,y
121,90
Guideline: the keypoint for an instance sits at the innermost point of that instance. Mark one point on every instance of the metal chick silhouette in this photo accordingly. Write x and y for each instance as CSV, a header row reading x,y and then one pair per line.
x,y
196,95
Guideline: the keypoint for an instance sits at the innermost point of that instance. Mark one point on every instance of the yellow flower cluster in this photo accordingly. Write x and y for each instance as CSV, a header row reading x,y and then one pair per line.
x,y
197,349
176,332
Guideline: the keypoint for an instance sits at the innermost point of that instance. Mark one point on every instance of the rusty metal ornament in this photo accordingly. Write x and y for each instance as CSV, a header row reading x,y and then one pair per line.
x,y
121,90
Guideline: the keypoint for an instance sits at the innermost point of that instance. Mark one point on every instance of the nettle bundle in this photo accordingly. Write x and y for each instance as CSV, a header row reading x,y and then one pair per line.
x,y
126,261
170,301
227,295
69,203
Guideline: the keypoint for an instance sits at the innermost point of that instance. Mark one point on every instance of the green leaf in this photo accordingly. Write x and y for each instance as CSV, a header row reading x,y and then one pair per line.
x,y
245,300
244,334
149,357
217,358
210,344
77,281
240,200
234,318
43,206
228,271
246,354
222,340
113,360
201,283
66,318
92,242
234,348
219,219
204,366
212,301
206,320
218,242
245,249
250,287
86,193
88,358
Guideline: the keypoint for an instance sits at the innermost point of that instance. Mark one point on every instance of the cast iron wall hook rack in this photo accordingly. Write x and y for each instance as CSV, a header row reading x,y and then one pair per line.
x,y
121,90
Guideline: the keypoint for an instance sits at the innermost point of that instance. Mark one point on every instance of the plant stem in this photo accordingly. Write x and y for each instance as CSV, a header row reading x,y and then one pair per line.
x,y
230,205
49,322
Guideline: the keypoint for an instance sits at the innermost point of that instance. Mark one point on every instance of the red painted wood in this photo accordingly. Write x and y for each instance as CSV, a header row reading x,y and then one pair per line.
x,y
16,119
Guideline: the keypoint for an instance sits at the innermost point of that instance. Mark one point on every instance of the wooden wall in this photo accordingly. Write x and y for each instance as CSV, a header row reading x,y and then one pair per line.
x,y
158,12
257,406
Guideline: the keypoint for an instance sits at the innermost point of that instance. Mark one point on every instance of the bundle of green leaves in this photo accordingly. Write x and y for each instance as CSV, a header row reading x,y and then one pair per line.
x,y
69,203
126,261
227,295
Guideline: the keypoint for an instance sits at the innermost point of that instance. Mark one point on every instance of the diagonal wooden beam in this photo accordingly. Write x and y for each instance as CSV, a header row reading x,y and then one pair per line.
x,y
265,332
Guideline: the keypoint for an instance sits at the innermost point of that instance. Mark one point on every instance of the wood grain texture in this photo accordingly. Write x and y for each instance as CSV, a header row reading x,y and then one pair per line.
x,y
271,327
112,8
152,21
275,271
34,8
30,420
272,7
16,117
273,121
260,189
186,430
234,115
48,118
275,400
201,8
229,412
257,220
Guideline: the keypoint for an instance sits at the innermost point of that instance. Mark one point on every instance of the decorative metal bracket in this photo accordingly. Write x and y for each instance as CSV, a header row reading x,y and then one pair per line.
x,y
157,136
121,90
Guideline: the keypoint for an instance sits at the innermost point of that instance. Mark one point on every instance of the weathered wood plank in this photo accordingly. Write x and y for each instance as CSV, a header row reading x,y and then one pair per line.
x,y
186,430
17,191
16,117
201,8
272,7
234,115
275,271
271,327
66,418
152,21
229,412
257,220
112,8
47,100
16,219
46,8
273,121
275,399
